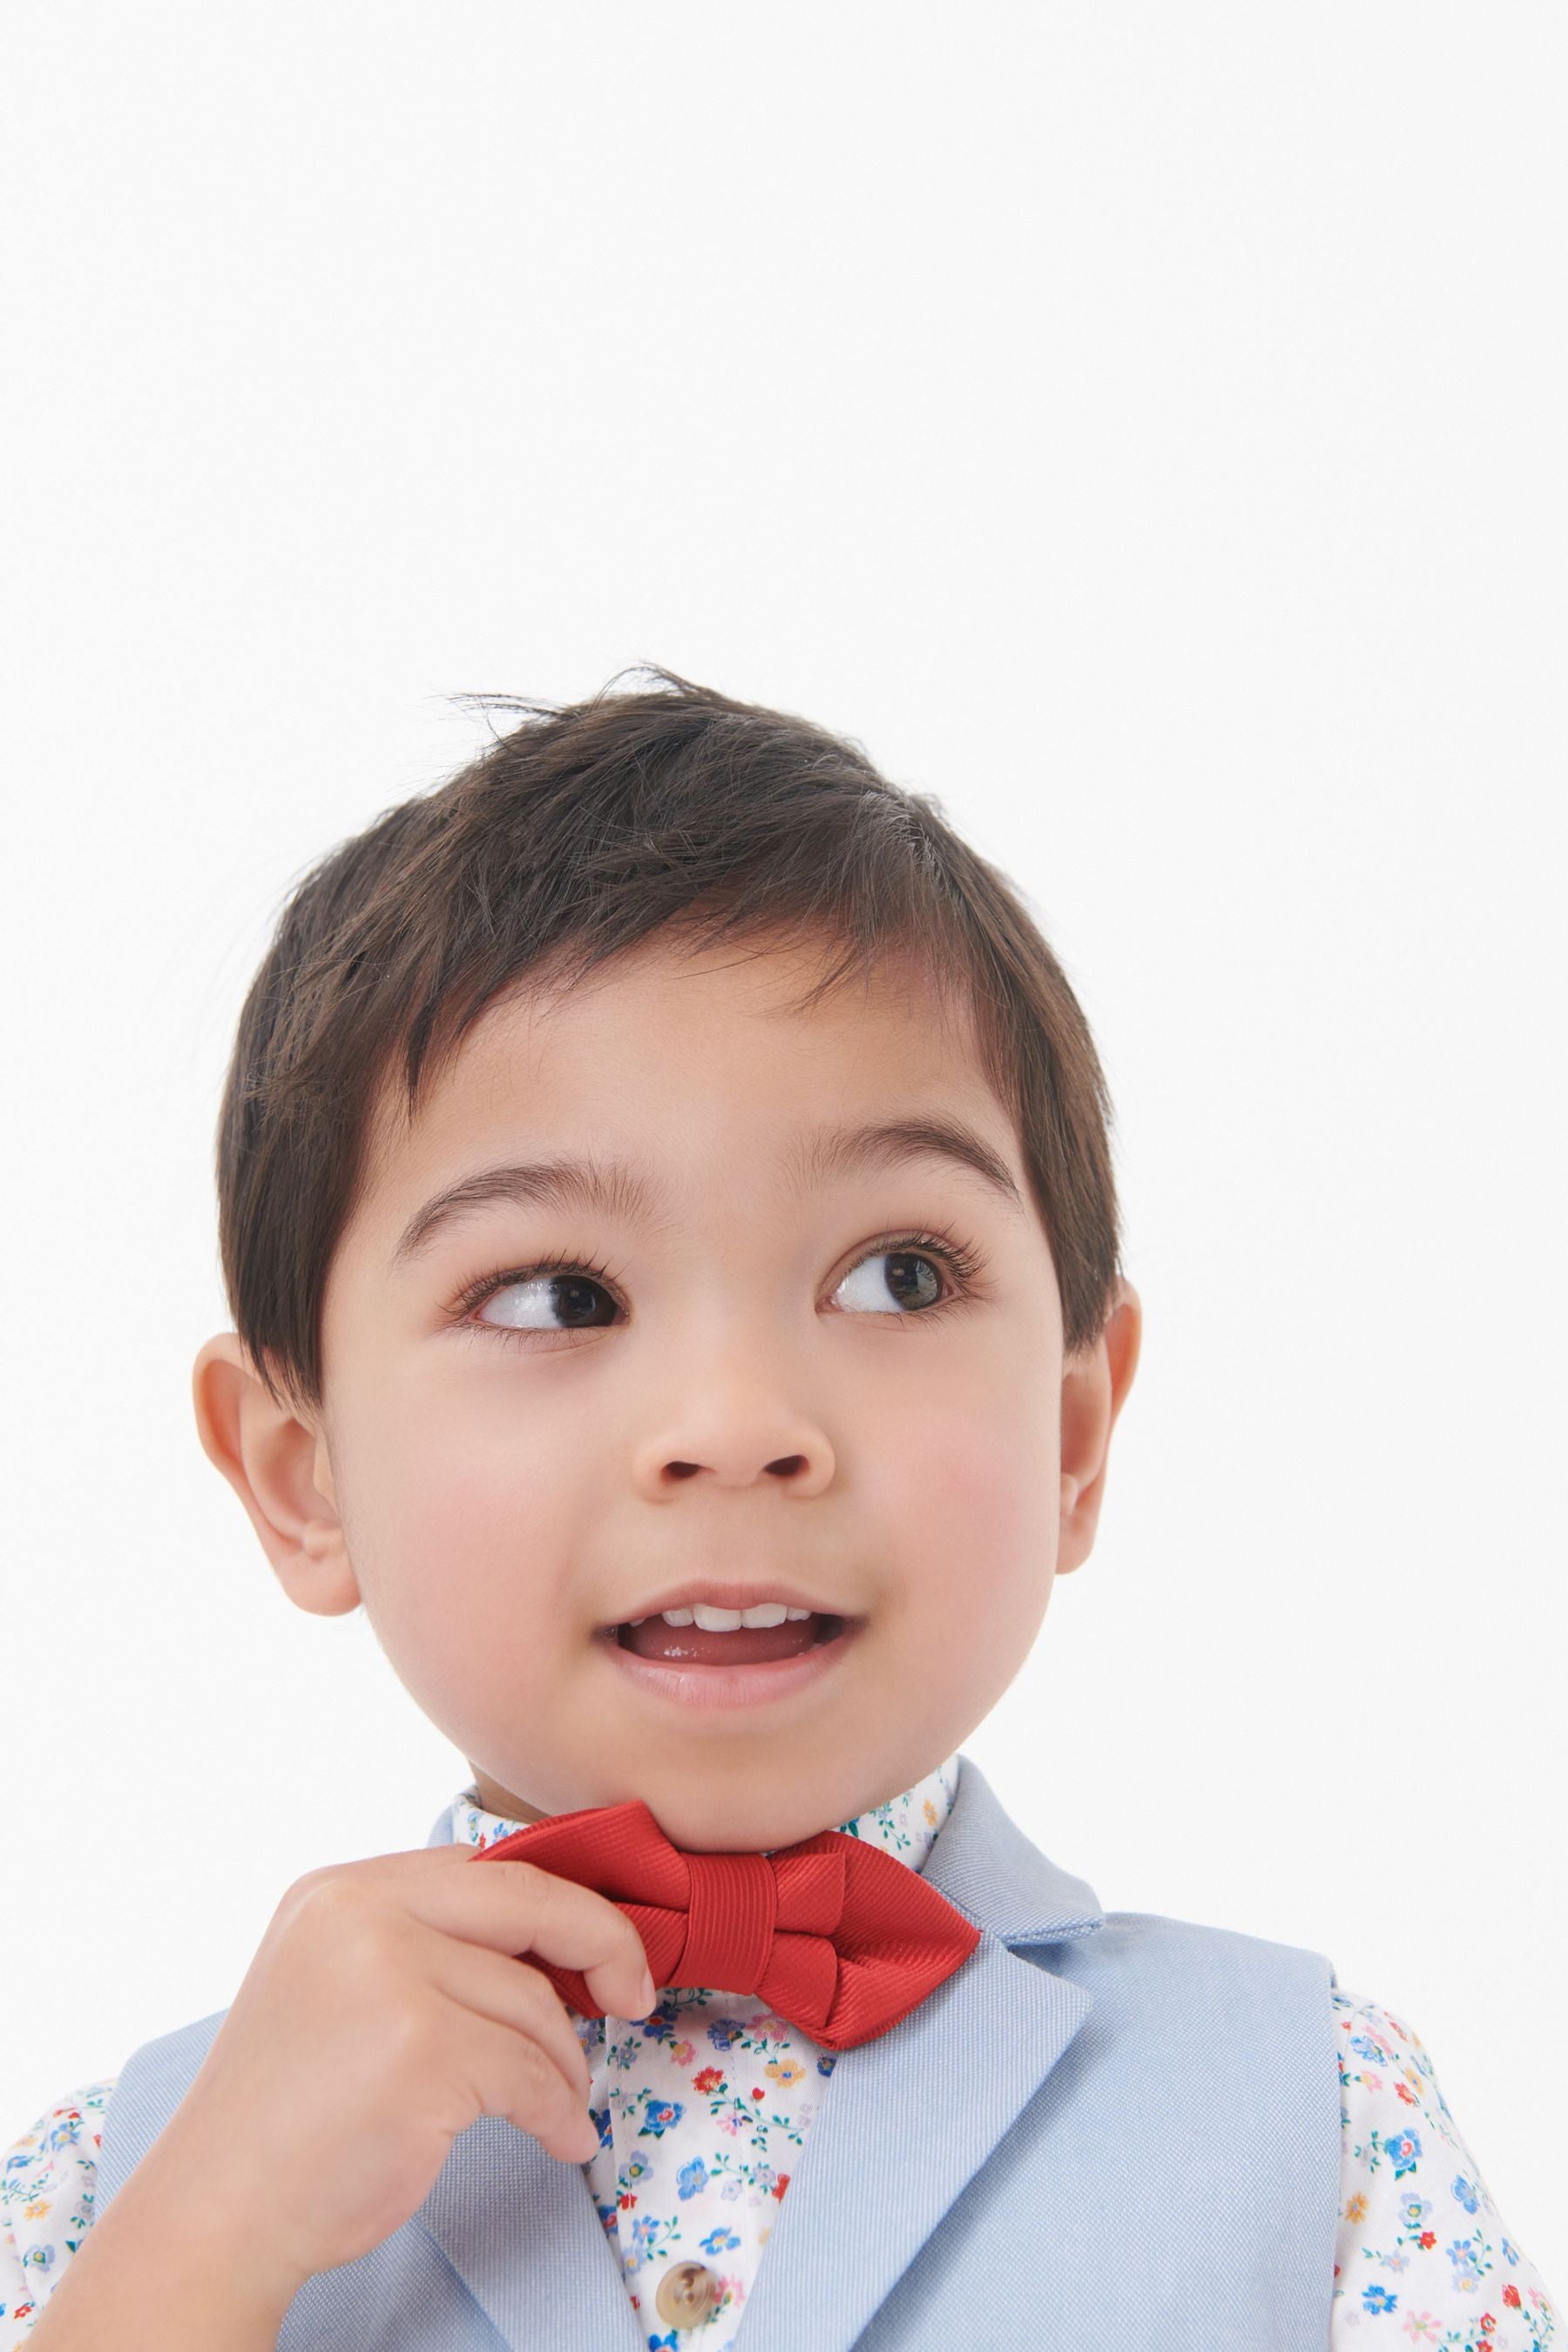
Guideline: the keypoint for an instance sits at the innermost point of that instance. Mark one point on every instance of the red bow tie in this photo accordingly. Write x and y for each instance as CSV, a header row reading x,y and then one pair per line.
x,y
838,1937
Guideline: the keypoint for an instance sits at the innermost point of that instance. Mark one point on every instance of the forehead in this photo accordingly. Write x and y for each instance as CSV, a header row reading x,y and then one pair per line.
x,y
689,1061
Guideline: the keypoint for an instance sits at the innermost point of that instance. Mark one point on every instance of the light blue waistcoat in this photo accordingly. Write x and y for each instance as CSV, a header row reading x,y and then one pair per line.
x,y
1108,2130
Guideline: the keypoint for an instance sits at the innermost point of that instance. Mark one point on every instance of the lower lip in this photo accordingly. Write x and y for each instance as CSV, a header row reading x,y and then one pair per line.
x,y
702,1687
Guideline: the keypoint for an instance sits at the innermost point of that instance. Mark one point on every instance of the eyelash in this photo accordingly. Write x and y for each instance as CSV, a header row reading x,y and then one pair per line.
x,y
962,1259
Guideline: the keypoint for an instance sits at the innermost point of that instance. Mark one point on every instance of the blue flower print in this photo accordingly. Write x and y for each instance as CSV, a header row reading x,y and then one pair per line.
x,y
1462,2254
659,2115
1377,2299
658,2025
1414,2212
653,2238
722,2033
719,2241
670,2343
1465,2192
1405,2150
691,2178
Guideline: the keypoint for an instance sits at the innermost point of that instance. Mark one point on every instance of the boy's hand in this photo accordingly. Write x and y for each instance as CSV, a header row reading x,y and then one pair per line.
x,y
382,2012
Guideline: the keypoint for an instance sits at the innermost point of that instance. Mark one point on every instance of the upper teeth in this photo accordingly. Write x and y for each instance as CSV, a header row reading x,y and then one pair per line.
x,y
726,1620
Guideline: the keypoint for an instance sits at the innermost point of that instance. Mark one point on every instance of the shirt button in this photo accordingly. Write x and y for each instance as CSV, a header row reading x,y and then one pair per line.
x,y
688,2294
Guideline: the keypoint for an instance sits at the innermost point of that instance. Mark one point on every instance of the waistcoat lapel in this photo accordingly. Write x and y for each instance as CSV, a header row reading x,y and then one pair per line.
x,y
523,2232
927,2103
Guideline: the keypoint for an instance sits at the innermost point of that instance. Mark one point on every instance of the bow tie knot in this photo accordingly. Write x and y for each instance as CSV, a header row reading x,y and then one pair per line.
x,y
838,1937
731,1912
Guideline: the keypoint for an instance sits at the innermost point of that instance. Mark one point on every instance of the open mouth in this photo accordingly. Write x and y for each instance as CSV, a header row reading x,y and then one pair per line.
x,y
709,1661
744,1645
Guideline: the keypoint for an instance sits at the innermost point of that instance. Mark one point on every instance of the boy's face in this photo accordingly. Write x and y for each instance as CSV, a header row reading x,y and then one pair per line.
x,y
744,1383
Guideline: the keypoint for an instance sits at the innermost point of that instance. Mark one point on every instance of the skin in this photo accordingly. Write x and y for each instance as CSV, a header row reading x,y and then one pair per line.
x,y
495,1495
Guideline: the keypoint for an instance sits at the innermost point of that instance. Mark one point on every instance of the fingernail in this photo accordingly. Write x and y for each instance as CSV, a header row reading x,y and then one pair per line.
x,y
649,1994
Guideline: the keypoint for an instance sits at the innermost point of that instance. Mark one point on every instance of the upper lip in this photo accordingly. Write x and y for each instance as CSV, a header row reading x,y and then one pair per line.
x,y
718,1595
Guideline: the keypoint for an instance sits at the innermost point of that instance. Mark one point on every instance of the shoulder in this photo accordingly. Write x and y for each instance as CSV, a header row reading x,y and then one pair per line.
x,y
1419,2239
1392,2100
1181,1995
1376,2047
48,2181
1161,1943
1201,1934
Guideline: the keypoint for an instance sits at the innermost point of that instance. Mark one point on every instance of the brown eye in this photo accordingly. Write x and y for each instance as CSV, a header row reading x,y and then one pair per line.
x,y
544,1301
910,1281
556,1295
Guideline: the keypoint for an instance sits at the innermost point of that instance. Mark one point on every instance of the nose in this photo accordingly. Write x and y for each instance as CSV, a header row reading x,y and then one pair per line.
x,y
733,1427
788,1467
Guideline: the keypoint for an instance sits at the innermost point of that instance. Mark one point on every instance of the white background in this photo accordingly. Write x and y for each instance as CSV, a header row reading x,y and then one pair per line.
x,y
1143,427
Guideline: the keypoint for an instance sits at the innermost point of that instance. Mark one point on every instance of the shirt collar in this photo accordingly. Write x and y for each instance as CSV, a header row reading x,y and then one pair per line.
x,y
906,1826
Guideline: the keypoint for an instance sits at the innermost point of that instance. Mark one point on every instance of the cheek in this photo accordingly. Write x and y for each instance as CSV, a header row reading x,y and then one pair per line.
x,y
973,1494
459,1545
968,1564
979,1461
451,1519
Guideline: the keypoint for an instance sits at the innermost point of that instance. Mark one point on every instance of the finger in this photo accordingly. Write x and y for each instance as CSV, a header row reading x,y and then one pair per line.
x,y
511,1993
507,2074
412,1862
515,1908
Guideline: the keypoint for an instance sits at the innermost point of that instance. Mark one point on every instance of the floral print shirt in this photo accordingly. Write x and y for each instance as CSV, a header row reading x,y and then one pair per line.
x,y
703,2106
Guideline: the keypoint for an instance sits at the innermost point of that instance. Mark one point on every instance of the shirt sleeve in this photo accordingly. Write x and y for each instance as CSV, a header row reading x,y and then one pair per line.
x,y
1419,2242
46,2189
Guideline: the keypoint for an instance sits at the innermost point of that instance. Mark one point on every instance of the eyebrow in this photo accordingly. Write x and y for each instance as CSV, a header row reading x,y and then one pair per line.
x,y
616,1190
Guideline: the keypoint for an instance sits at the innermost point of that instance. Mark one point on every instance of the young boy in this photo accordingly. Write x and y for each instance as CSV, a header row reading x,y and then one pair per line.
x,y
666,1209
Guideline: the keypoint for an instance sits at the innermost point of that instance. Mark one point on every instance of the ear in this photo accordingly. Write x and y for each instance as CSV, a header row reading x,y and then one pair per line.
x,y
1094,1389
278,1467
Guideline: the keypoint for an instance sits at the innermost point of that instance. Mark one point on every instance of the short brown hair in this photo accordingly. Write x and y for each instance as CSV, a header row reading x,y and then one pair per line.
x,y
573,837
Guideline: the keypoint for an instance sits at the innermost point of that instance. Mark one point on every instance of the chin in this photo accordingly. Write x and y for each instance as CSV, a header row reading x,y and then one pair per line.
x,y
738,1830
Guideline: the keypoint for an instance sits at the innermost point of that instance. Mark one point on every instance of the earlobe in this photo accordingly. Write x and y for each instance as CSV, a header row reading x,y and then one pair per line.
x,y
277,1464
1094,1389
